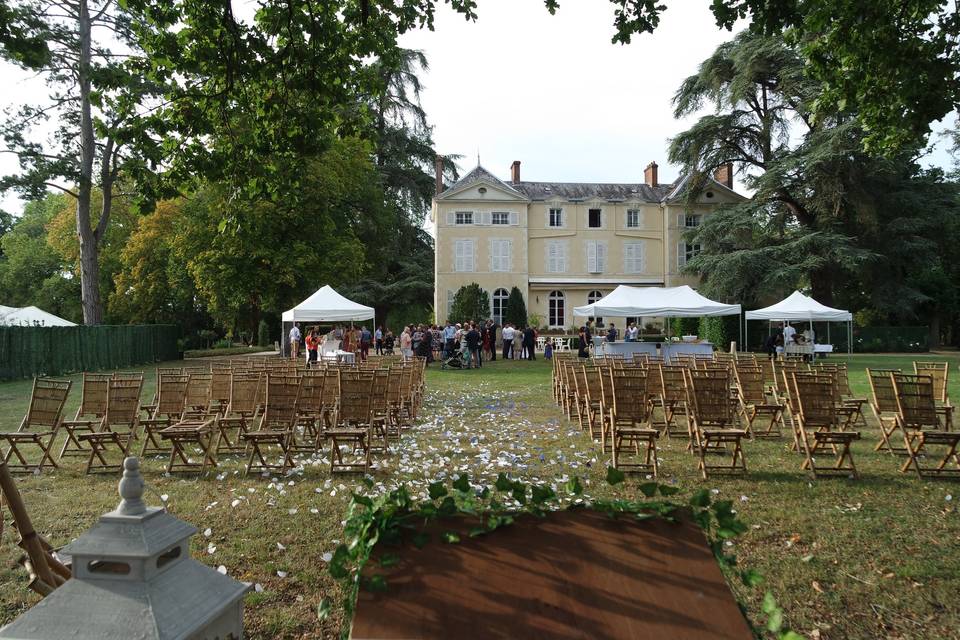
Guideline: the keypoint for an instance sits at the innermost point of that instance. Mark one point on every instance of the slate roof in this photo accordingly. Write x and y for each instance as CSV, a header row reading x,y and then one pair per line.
x,y
567,191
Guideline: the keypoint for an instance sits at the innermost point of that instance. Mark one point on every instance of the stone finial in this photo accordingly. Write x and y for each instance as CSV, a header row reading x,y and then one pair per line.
x,y
131,489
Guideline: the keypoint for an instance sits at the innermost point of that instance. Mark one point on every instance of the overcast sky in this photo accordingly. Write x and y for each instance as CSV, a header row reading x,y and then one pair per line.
x,y
550,91
554,93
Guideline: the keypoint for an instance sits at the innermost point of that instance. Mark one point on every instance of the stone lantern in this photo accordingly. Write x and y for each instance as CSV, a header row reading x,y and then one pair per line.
x,y
133,578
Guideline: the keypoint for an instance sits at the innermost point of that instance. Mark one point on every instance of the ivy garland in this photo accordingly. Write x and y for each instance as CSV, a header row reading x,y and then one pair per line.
x,y
394,516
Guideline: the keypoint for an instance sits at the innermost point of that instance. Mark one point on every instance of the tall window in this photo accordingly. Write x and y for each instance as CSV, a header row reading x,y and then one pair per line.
x,y
686,252
499,255
633,218
557,311
499,304
593,218
500,217
464,217
596,256
555,219
633,257
556,256
463,255
592,297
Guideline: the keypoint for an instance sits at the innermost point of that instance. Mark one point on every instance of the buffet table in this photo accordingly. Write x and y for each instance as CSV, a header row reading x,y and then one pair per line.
x,y
668,350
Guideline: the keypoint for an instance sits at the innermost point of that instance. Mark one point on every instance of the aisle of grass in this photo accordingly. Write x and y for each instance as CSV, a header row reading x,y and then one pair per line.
x,y
846,559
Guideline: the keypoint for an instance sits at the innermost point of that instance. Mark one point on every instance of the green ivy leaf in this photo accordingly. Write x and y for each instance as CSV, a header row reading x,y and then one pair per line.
x,y
775,621
437,490
364,500
769,603
429,510
462,483
648,489
503,483
377,584
615,476
519,493
420,539
323,609
573,486
751,578
477,531
542,493
389,560
667,490
450,537
448,507
485,493
791,635
367,482
700,499
338,564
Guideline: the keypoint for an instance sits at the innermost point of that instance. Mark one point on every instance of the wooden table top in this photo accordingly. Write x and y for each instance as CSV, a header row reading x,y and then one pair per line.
x,y
574,574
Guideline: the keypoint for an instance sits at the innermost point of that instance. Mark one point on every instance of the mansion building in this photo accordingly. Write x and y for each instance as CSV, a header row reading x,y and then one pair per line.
x,y
564,244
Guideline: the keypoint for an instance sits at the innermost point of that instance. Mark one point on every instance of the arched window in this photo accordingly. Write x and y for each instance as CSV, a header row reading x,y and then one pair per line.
x,y
592,297
499,305
557,310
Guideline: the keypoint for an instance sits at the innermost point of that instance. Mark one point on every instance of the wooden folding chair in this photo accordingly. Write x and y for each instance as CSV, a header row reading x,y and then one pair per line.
x,y
166,410
754,403
330,403
380,412
306,433
922,430
197,399
241,413
161,371
220,388
940,372
193,430
93,404
276,425
39,427
353,428
629,420
819,426
671,398
117,427
712,419
393,403
883,405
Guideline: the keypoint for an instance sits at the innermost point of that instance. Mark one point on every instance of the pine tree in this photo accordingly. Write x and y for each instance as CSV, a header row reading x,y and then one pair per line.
x,y
516,311
470,303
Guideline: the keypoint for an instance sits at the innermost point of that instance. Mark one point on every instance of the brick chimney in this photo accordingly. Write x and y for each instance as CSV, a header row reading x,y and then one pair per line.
x,y
724,175
650,174
438,172
515,172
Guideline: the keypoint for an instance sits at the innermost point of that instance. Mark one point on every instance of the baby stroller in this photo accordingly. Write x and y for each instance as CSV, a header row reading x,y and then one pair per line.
x,y
459,359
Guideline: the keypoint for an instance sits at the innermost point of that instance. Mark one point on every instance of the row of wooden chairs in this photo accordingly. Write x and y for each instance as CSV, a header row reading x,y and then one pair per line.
x,y
235,407
728,399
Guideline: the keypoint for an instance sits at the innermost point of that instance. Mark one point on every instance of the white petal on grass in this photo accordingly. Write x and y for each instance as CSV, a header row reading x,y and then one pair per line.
x,y
207,532
282,574
222,569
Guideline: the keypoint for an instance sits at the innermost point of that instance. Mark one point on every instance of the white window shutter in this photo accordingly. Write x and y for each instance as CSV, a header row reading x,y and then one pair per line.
x,y
451,218
592,257
514,218
486,217
563,258
473,255
681,254
681,220
601,257
508,258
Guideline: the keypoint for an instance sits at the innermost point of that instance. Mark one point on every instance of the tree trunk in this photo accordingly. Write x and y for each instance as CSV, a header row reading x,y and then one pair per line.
x,y
935,330
89,247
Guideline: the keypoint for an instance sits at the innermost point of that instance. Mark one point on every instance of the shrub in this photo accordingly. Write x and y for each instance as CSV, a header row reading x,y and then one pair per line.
x,y
516,311
470,303
263,334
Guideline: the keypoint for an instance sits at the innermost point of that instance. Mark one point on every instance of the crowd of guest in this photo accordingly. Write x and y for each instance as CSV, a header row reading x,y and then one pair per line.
x,y
476,342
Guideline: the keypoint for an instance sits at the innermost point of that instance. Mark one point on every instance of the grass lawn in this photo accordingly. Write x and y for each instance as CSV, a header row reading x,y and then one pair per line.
x,y
877,557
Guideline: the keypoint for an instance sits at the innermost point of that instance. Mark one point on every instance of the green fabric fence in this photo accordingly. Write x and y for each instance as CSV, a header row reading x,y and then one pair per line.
x,y
26,352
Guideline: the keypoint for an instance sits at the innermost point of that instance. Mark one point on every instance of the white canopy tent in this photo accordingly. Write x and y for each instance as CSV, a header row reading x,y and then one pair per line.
x,y
661,302
798,307
31,317
670,302
325,305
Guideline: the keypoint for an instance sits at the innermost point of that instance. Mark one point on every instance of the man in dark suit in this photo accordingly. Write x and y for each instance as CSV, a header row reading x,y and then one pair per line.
x,y
529,337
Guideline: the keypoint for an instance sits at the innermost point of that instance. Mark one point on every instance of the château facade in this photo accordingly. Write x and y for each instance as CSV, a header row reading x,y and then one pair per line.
x,y
564,244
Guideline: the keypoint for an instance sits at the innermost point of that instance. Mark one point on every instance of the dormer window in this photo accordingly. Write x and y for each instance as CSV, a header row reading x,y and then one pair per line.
x,y
556,217
692,220
633,218
464,217
593,219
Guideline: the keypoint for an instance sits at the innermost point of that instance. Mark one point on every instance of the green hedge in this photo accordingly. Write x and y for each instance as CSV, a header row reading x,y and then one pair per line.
x,y
26,352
